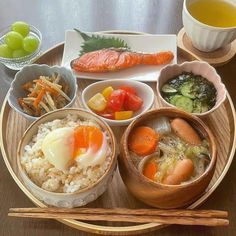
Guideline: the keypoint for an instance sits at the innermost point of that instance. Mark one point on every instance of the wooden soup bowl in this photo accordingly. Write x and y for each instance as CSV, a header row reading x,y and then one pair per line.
x,y
161,195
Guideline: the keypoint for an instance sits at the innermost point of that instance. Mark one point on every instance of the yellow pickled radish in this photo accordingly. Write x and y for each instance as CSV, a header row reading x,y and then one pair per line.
x,y
97,102
123,115
107,92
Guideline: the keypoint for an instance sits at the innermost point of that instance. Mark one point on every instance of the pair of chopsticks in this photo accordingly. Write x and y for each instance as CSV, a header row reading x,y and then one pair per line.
x,y
180,217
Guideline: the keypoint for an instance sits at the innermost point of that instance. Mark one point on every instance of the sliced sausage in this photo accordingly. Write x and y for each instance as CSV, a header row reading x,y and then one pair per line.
x,y
182,172
185,131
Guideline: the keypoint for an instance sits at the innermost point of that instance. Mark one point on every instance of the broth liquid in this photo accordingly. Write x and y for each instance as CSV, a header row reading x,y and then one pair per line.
x,y
218,13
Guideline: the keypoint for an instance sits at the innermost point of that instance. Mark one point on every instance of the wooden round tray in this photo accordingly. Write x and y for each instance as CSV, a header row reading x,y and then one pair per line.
x,y
221,123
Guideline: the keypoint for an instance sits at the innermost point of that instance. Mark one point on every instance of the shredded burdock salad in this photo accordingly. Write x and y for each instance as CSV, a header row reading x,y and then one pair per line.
x,y
45,94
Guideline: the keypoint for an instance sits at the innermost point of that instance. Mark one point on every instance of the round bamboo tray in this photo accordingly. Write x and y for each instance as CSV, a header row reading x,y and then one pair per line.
x,y
220,122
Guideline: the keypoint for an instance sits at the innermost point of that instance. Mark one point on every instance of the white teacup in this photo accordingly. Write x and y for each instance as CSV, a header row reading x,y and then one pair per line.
x,y
204,37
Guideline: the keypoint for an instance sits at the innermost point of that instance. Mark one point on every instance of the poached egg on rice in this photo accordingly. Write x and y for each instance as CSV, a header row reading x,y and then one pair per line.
x,y
86,145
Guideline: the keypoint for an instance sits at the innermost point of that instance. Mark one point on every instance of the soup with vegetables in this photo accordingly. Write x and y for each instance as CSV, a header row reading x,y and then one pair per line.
x,y
169,151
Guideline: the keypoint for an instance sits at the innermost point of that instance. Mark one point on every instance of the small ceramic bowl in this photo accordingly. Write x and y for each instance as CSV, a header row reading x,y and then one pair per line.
x,y
31,72
18,63
83,196
161,195
204,37
144,91
197,68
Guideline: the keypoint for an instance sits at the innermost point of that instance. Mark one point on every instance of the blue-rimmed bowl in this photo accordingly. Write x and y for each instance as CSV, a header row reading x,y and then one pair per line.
x,y
18,63
32,72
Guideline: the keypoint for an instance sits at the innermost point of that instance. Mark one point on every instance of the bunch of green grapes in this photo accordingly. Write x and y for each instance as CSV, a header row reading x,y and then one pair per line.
x,y
18,43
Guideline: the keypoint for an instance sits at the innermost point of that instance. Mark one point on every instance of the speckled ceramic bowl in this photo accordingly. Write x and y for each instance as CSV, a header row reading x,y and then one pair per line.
x,y
197,68
83,196
31,72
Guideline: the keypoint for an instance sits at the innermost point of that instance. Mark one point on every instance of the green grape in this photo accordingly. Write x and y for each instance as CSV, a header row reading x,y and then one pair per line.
x,y
13,40
21,28
19,53
30,43
5,51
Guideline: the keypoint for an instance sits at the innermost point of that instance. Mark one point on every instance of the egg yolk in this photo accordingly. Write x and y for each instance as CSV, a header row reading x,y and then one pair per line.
x,y
85,144
87,137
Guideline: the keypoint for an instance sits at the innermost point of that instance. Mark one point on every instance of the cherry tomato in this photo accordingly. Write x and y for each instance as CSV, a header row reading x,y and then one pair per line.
x,y
132,102
128,89
116,100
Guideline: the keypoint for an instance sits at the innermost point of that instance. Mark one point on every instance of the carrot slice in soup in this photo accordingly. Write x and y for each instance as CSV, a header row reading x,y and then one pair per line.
x,y
150,170
143,140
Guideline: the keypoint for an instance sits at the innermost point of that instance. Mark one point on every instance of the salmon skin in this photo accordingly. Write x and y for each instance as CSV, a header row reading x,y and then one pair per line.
x,y
108,60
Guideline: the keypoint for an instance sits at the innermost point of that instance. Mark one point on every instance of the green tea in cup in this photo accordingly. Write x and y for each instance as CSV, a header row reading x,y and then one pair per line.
x,y
217,13
210,24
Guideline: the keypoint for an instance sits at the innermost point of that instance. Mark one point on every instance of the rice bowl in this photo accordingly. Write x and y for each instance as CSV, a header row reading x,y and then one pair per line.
x,y
75,186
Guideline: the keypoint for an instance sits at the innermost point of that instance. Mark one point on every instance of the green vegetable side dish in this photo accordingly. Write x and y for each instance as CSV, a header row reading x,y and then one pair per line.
x,y
190,92
97,42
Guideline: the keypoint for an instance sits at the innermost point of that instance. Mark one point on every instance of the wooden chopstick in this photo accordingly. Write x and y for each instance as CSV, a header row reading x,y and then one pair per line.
x,y
181,217
126,211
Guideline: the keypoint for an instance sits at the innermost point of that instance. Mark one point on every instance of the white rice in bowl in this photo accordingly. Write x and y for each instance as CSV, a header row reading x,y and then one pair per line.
x,y
46,176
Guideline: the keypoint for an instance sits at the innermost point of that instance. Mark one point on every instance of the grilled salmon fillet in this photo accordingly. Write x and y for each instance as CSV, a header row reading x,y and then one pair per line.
x,y
108,60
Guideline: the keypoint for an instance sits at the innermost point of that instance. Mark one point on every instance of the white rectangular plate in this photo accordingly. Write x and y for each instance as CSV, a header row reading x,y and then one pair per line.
x,y
140,43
